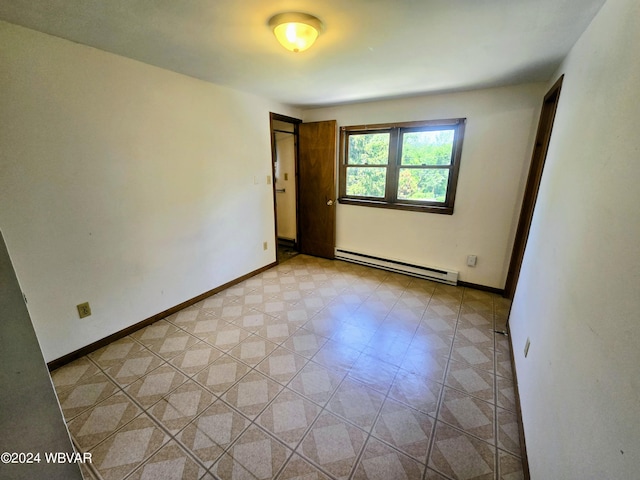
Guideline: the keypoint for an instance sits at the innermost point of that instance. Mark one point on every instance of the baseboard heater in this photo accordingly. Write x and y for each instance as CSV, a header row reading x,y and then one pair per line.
x,y
436,274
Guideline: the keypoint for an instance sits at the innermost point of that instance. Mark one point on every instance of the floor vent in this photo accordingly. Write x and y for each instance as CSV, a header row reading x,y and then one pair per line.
x,y
437,274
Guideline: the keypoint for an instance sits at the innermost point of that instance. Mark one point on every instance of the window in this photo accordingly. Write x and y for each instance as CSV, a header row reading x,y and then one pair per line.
x,y
407,166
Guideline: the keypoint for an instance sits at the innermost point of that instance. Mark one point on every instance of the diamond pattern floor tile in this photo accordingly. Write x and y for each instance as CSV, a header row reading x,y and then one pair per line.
x,y
257,452
461,456
221,374
380,462
356,403
333,444
93,426
468,413
170,462
128,448
288,417
210,434
85,394
404,428
155,385
252,393
176,409
314,369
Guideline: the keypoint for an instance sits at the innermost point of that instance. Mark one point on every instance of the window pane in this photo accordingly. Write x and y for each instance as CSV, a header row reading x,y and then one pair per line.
x,y
368,149
366,181
432,147
427,185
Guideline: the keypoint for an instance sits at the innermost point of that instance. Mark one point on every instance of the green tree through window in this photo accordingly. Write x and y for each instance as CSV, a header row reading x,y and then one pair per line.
x,y
409,166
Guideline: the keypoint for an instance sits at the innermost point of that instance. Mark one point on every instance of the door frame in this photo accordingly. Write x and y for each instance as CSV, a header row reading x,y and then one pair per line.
x,y
538,158
295,122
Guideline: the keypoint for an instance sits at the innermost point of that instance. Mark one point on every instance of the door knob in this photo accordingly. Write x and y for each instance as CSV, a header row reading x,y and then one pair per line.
x,y
329,202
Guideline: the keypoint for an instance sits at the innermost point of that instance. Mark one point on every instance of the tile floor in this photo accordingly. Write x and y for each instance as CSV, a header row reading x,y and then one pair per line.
x,y
315,369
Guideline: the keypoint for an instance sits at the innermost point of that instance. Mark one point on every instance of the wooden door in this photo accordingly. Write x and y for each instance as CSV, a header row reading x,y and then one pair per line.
x,y
317,188
543,136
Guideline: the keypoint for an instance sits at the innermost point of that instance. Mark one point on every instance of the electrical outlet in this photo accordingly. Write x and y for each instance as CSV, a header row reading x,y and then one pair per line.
x,y
84,310
472,260
526,347
264,246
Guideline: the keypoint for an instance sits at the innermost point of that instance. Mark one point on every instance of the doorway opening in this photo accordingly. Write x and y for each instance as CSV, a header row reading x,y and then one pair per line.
x,y
543,137
284,146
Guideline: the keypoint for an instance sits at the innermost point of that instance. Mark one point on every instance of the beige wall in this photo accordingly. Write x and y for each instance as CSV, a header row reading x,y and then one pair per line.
x,y
495,156
124,185
578,298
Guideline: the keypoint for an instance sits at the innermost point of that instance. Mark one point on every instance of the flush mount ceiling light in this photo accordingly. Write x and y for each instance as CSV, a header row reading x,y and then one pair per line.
x,y
295,31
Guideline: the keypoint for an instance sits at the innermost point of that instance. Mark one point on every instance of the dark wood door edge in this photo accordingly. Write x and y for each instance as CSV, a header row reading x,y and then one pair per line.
x,y
541,146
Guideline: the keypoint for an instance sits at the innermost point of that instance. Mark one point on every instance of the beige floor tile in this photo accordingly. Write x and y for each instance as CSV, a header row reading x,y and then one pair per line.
x,y
438,324
85,393
96,424
405,428
155,385
288,417
205,324
297,468
481,320
210,434
316,382
128,448
155,332
195,358
433,343
179,407
510,467
277,330
425,364
356,403
305,342
473,381
171,462
252,321
333,444
336,356
381,462
252,350
221,374
461,456
282,365
70,374
433,475
508,431
374,373
478,355
468,413
506,393
257,452
252,393
417,391
227,337
374,349
139,362
172,345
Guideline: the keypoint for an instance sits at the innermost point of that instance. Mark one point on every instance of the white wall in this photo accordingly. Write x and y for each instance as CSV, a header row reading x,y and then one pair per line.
x,y
578,297
124,185
286,201
495,157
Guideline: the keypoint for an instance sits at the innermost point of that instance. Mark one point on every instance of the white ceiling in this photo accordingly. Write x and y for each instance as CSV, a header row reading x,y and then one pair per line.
x,y
370,49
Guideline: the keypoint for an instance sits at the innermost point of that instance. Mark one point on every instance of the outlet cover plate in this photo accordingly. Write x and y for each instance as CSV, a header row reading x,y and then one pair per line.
x,y
84,310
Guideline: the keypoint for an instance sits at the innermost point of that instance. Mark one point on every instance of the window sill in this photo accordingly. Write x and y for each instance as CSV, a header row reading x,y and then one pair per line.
x,y
440,209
